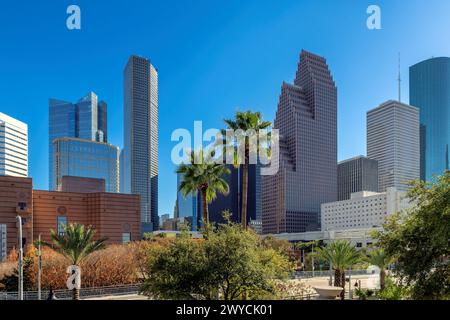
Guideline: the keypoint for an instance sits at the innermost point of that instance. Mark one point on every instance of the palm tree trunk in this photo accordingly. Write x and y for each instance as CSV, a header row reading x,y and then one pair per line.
x,y
244,195
343,285
205,208
76,294
382,279
337,278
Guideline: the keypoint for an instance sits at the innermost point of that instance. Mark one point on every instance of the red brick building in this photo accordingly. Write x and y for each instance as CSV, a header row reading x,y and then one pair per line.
x,y
112,215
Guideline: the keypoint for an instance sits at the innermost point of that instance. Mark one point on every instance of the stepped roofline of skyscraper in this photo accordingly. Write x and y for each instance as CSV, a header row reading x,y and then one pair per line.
x,y
390,103
85,140
88,96
353,158
13,121
429,60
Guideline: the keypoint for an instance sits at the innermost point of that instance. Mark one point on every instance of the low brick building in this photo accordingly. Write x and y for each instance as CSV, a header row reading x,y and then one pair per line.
x,y
112,215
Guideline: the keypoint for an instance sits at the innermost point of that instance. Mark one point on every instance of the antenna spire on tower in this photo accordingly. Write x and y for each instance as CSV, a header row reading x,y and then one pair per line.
x,y
399,79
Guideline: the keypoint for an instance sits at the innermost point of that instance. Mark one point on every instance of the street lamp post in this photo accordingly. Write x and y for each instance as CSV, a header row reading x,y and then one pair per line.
x,y
39,267
312,259
20,289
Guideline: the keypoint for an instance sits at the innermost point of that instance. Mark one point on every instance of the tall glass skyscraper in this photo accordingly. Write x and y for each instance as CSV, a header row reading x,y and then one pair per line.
x,y
307,121
84,158
86,120
187,205
429,90
140,152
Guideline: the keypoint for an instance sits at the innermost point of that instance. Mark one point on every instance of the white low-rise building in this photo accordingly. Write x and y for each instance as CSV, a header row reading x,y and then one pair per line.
x,y
363,210
13,147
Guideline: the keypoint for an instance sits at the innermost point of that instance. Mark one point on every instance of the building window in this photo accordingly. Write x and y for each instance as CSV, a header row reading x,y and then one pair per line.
x,y
62,223
359,245
22,206
126,237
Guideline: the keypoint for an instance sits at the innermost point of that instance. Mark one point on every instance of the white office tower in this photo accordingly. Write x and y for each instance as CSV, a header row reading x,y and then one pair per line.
x,y
393,139
13,147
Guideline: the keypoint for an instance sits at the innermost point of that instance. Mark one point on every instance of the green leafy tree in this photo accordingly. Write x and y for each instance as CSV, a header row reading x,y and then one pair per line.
x,y
203,176
230,263
249,122
10,282
75,243
418,240
342,255
393,291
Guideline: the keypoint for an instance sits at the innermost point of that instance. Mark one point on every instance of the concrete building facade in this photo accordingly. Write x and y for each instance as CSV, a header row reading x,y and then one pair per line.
x,y
13,147
393,139
364,210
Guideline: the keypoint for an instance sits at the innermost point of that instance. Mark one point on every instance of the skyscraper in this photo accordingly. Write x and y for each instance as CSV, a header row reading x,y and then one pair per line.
x,y
232,202
84,158
187,206
13,147
393,140
140,153
307,176
86,119
355,175
429,90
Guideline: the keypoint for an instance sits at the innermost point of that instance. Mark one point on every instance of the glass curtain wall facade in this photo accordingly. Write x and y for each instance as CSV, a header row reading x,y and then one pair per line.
x,y
355,175
86,119
84,158
429,90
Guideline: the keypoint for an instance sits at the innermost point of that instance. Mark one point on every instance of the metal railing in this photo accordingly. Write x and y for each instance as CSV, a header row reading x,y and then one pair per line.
x,y
309,274
67,294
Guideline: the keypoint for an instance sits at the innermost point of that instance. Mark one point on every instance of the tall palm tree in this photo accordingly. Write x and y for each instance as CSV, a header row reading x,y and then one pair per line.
x,y
75,243
204,177
342,255
379,258
246,121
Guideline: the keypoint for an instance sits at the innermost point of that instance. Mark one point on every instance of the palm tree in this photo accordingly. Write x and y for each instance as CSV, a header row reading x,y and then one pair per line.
x,y
204,177
75,243
247,122
342,255
379,258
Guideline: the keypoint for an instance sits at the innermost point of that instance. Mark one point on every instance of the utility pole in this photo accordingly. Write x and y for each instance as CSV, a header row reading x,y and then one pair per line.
x,y
39,267
312,259
20,289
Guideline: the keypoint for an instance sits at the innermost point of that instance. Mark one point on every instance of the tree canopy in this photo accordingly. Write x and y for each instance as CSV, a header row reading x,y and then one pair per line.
x,y
418,240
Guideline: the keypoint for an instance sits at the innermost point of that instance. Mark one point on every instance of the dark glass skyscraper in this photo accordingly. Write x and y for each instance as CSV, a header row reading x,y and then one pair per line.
x,y
355,175
307,176
429,90
233,201
140,152
187,206
86,119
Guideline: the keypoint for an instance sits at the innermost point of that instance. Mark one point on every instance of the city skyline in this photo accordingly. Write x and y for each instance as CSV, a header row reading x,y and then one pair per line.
x,y
69,73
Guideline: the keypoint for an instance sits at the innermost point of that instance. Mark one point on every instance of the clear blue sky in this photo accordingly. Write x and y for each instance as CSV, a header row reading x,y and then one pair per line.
x,y
214,57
